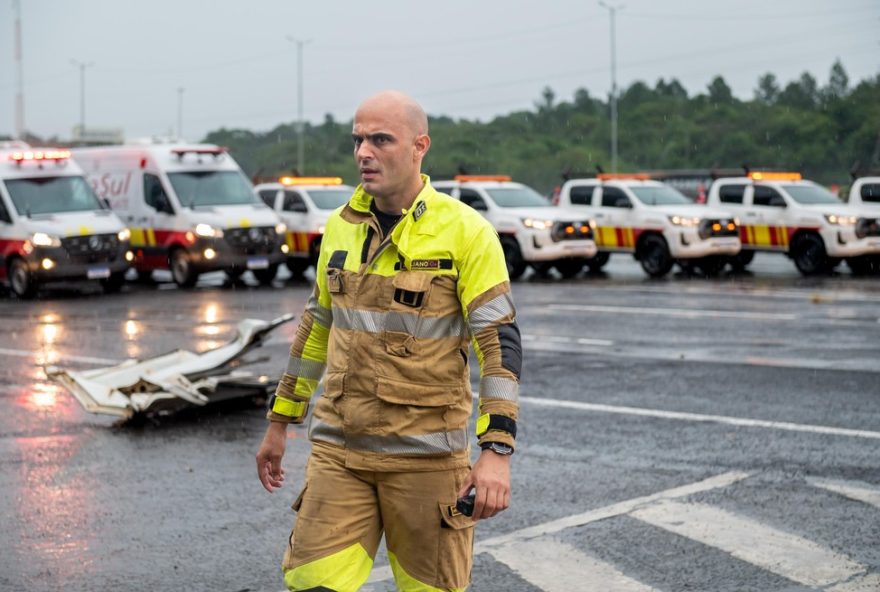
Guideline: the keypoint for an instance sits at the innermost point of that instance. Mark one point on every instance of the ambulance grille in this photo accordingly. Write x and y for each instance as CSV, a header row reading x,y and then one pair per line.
x,y
867,227
571,230
91,248
717,227
252,241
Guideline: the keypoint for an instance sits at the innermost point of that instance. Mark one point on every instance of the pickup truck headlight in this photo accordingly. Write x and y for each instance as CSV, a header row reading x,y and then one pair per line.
x,y
280,228
537,224
41,239
840,220
208,231
123,235
685,220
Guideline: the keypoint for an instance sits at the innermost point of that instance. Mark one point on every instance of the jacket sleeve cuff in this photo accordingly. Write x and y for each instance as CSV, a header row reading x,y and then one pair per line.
x,y
498,436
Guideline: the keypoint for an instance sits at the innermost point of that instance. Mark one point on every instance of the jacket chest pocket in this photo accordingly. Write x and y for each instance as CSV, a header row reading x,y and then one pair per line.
x,y
410,291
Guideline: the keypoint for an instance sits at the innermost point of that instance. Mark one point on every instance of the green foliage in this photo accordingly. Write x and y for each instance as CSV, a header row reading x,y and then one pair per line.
x,y
820,131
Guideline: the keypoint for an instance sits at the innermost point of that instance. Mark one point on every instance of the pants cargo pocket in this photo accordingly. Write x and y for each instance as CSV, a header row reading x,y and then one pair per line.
x,y
456,549
286,563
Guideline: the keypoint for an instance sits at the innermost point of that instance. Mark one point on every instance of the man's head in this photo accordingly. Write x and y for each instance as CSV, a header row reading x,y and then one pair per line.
x,y
390,136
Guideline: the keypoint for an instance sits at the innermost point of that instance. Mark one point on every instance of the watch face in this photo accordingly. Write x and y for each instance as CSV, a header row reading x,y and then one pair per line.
x,y
501,448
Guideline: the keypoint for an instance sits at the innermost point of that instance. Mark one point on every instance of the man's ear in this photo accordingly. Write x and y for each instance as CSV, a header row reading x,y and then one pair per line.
x,y
421,145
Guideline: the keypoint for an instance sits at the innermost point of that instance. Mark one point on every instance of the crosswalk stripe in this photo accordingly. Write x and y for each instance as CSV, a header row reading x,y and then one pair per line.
x,y
554,566
776,551
852,489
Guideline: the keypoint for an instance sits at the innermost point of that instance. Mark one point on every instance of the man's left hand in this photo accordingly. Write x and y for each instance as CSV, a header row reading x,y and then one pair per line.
x,y
491,479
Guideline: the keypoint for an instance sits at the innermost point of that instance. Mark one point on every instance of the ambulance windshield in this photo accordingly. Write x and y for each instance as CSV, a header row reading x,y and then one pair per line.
x,y
52,195
518,197
808,194
330,199
212,188
659,195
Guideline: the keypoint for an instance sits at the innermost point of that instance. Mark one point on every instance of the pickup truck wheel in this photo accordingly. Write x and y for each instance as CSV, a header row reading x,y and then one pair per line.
x,y
598,261
145,276
809,255
516,266
654,256
181,269
741,260
114,283
265,276
568,268
297,265
864,265
711,265
21,281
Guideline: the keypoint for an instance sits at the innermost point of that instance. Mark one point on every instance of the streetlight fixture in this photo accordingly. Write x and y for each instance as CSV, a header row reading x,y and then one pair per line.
x,y
82,93
612,10
300,124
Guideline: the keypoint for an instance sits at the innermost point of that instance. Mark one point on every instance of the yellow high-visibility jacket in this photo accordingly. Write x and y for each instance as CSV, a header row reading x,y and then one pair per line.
x,y
390,319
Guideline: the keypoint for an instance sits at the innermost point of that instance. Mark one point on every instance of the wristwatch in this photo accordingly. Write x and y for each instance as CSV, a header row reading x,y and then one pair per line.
x,y
497,448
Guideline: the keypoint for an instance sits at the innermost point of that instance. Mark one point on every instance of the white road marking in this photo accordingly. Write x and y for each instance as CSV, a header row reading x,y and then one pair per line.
x,y
554,566
688,313
856,490
782,553
866,583
685,416
16,353
562,339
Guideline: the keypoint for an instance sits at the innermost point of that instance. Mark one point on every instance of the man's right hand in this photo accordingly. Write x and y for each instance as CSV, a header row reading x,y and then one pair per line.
x,y
270,454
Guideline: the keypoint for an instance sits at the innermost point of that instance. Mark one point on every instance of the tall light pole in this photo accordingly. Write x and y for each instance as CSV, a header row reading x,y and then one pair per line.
x,y
300,124
612,10
19,78
82,93
179,112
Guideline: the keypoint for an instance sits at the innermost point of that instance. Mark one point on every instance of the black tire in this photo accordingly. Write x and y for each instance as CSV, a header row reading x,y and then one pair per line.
x,y
741,260
145,276
234,273
114,283
654,256
265,276
297,265
864,265
315,252
182,271
711,265
21,281
598,261
516,266
568,268
809,255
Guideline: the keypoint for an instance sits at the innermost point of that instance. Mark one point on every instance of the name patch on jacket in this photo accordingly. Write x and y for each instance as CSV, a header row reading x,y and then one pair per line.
x,y
430,264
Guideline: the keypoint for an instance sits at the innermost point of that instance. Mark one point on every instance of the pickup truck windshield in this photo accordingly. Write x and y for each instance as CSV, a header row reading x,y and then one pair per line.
x,y
52,195
659,196
212,188
810,194
330,199
518,197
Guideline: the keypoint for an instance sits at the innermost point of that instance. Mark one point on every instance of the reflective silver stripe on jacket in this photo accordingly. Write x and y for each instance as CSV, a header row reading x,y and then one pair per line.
x,y
393,444
321,315
371,321
490,313
496,387
309,369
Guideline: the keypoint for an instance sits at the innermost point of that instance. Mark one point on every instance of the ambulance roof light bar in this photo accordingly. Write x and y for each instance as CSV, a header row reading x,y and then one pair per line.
x,y
214,151
39,155
310,180
500,178
623,176
774,176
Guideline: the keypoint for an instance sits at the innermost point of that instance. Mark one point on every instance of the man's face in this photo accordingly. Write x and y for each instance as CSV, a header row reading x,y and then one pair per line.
x,y
385,151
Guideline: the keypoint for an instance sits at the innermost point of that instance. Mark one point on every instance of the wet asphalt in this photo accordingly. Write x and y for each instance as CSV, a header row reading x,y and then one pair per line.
x,y
630,387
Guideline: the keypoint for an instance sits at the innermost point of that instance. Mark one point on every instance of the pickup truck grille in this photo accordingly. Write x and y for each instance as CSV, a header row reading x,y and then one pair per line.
x,y
92,248
867,227
711,228
573,230
251,241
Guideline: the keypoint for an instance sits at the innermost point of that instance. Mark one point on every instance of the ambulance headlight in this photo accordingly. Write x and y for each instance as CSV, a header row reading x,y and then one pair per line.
x,y
537,224
208,231
684,220
840,220
321,229
280,228
124,235
41,239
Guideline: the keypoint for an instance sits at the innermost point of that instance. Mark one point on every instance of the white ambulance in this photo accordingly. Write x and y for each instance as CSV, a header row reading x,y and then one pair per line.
x,y
190,209
304,204
533,231
864,196
52,225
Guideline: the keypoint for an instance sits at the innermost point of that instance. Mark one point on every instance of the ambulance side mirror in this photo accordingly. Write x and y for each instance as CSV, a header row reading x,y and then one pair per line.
x,y
106,203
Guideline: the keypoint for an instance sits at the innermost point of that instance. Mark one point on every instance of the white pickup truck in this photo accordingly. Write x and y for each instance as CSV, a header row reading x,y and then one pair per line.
x,y
864,195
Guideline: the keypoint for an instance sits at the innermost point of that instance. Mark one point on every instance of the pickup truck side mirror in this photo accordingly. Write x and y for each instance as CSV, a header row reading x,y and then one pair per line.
x,y
479,205
623,202
777,201
106,203
299,207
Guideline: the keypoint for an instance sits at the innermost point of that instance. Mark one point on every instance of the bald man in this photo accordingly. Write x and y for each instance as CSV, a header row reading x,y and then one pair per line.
x,y
407,280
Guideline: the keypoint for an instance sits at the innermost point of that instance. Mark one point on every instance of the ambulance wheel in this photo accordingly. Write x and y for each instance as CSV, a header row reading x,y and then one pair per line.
x,y
265,276
864,265
181,269
113,284
654,256
516,266
568,268
741,260
297,265
21,281
809,255
711,265
598,261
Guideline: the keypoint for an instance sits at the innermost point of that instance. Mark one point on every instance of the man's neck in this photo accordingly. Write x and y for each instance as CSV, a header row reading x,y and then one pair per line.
x,y
395,204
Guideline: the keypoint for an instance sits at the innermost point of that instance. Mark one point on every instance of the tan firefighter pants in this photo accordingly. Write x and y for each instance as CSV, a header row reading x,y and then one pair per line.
x,y
342,513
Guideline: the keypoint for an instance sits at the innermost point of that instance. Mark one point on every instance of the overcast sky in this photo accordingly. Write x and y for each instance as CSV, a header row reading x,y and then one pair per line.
x,y
467,59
